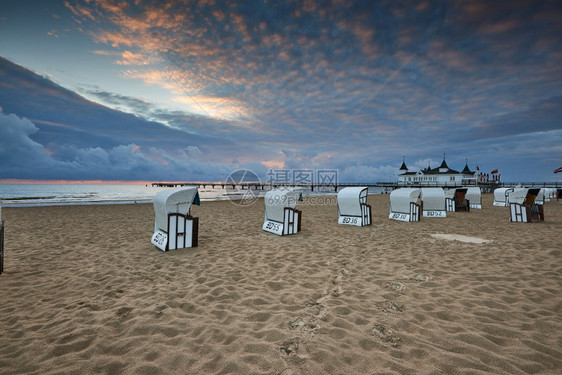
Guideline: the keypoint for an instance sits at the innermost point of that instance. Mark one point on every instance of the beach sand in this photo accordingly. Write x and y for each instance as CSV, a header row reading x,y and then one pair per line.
x,y
84,291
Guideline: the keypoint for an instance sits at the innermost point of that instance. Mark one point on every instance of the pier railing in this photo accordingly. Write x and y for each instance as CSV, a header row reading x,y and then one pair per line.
x,y
334,186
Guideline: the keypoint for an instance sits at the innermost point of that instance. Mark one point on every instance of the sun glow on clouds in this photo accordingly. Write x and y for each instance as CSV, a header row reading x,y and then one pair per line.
x,y
180,87
148,36
219,108
130,58
156,77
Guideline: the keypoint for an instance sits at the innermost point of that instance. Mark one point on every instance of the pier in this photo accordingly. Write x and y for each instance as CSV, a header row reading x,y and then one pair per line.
x,y
486,187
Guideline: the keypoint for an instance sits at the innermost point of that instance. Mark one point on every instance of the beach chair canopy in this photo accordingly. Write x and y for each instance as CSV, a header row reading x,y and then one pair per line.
x,y
349,200
518,195
532,197
474,195
500,195
400,199
543,193
450,193
433,199
277,199
177,200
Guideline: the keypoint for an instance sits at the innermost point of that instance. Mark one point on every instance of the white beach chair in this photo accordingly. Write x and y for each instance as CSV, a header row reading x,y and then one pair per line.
x,y
352,206
433,200
174,227
281,217
405,204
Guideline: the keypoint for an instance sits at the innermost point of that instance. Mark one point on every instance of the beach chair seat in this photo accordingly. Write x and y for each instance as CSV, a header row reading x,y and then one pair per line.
x,y
461,203
456,200
537,212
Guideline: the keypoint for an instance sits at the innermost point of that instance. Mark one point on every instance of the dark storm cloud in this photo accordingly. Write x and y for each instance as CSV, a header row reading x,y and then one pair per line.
x,y
126,102
61,135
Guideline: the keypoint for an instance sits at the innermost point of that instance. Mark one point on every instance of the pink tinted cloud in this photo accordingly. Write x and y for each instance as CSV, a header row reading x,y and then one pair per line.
x,y
80,11
72,9
130,58
113,6
114,39
164,79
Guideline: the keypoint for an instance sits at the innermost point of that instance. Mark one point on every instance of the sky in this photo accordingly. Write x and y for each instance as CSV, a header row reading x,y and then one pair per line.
x,y
194,90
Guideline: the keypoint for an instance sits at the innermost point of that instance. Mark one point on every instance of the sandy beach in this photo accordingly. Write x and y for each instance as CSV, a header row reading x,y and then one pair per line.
x,y
84,291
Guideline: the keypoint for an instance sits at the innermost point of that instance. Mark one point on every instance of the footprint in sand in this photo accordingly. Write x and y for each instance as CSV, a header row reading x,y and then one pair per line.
x,y
305,327
392,307
336,280
320,308
386,334
296,323
308,326
397,286
338,291
290,346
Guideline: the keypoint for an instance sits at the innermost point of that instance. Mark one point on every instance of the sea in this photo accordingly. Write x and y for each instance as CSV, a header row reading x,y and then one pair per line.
x,y
25,195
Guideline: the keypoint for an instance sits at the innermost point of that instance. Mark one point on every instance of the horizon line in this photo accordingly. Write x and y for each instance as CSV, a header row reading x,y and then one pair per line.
x,y
22,181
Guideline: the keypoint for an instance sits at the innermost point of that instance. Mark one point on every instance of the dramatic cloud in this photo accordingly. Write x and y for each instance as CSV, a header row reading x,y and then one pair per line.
x,y
17,150
352,85
72,138
25,158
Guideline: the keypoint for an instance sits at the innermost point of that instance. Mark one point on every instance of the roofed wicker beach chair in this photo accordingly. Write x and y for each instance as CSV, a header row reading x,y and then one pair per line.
x,y
281,217
352,206
433,202
405,204
174,227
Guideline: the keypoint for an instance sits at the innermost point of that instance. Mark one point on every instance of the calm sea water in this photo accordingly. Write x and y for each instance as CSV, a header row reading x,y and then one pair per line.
x,y
21,195
56,194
